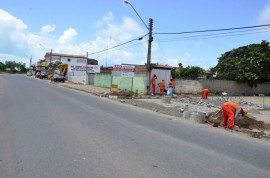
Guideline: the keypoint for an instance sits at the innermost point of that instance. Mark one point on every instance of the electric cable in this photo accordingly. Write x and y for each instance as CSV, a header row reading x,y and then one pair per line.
x,y
213,30
216,35
118,45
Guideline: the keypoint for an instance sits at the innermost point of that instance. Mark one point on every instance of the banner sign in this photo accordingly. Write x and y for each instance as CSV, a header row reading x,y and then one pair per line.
x,y
123,70
88,68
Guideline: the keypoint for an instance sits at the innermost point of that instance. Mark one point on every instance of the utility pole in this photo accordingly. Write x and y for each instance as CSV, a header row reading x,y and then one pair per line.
x,y
30,62
50,58
148,64
86,62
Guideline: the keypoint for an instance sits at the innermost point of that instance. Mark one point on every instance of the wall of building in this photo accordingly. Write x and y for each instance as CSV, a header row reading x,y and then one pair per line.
x,y
137,83
218,86
77,77
123,83
103,80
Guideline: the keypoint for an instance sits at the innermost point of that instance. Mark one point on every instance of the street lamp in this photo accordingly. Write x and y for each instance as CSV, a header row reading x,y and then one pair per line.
x,y
150,39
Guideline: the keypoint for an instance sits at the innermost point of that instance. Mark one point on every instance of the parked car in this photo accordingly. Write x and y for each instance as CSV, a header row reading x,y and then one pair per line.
x,y
58,78
29,73
43,74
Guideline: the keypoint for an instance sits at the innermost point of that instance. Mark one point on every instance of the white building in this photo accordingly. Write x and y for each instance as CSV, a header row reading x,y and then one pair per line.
x,y
80,67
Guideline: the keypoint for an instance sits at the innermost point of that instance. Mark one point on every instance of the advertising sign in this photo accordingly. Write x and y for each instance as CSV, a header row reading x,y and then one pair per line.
x,y
123,70
88,68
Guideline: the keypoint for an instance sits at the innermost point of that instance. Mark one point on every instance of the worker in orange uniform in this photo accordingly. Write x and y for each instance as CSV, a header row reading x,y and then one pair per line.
x,y
205,93
231,112
170,89
161,87
171,83
154,78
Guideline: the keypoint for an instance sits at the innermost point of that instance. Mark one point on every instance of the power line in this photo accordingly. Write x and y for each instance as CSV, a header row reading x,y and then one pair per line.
x,y
119,45
242,32
189,32
198,37
213,30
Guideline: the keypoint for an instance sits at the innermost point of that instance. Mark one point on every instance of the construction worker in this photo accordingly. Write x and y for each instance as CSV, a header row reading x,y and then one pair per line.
x,y
204,93
162,87
231,112
171,83
154,78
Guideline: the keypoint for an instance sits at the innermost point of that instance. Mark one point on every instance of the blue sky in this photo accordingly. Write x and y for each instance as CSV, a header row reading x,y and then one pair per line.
x,y
32,28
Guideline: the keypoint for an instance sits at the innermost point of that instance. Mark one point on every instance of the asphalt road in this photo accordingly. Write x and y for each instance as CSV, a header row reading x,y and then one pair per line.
x,y
48,131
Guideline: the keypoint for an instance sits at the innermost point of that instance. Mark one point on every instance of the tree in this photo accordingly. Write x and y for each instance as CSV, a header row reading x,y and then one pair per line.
x,y
16,67
56,65
2,67
190,72
245,64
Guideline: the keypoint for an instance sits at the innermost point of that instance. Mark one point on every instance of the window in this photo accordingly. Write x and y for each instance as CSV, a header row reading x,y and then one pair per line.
x,y
81,61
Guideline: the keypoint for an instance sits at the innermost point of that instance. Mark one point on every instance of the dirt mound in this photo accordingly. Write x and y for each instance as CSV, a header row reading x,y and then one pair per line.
x,y
244,122
123,94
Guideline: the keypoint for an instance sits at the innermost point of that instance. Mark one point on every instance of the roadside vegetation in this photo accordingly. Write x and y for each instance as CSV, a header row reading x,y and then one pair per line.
x,y
13,67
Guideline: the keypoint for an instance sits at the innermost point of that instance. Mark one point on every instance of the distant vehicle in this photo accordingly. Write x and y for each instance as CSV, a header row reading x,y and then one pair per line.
x,y
43,74
29,73
58,78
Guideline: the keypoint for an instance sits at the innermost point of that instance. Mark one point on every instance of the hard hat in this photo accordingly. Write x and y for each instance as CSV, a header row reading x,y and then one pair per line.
x,y
245,111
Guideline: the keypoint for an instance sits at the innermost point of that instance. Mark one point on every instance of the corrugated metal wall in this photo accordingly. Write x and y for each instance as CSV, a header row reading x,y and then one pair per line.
x,y
161,74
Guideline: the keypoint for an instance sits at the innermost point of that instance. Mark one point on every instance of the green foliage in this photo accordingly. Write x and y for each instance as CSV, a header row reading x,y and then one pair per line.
x,y
245,64
189,72
2,67
177,73
55,65
15,67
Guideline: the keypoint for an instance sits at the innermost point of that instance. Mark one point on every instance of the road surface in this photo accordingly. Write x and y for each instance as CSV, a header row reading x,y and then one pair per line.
x,y
48,131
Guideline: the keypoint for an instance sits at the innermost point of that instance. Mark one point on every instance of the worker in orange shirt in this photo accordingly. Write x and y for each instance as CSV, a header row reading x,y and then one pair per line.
x,y
231,112
204,93
154,78
170,89
171,83
162,87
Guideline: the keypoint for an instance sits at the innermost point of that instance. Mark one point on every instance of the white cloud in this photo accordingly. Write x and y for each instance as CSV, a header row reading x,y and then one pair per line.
x,y
48,28
264,16
13,40
17,43
105,19
68,36
124,31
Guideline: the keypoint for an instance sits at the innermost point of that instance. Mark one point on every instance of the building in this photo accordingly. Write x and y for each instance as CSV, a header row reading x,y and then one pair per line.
x,y
78,67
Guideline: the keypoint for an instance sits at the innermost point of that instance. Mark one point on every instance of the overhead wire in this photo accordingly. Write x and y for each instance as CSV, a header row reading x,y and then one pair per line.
x,y
190,37
211,30
217,35
104,50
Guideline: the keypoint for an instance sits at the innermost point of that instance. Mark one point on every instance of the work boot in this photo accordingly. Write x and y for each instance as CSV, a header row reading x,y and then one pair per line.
x,y
235,128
